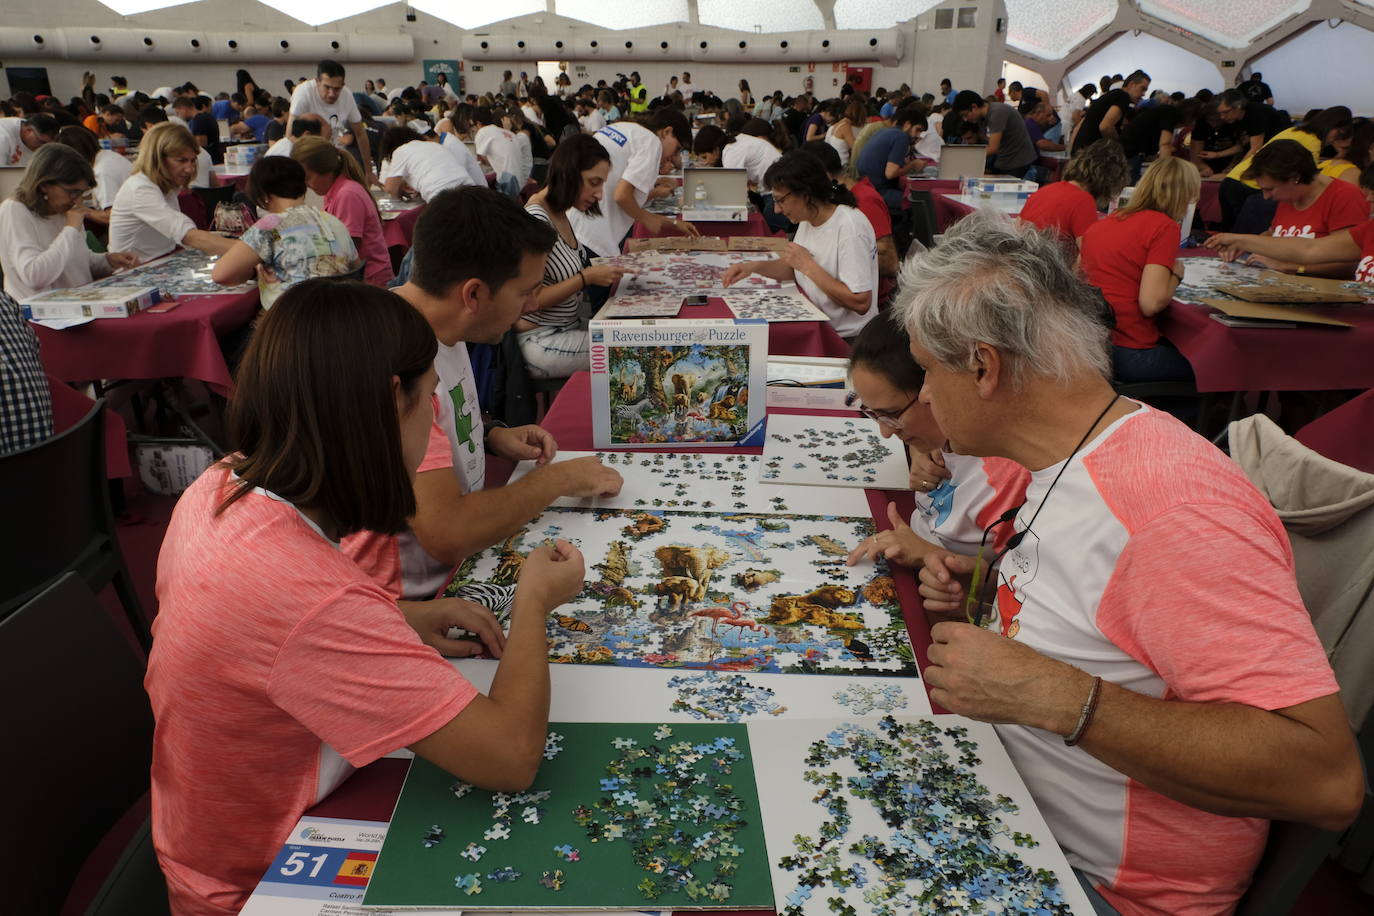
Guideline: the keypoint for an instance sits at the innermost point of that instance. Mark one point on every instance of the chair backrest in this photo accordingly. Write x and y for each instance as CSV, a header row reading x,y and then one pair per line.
x,y
56,504
79,736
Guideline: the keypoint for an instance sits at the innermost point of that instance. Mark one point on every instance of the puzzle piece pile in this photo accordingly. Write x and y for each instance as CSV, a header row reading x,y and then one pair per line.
x,y
862,699
859,464
722,698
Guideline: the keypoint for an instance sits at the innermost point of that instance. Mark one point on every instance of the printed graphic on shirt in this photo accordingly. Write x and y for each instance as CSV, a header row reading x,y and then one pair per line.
x,y
462,417
1364,273
615,136
941,503
1015,573
1295,232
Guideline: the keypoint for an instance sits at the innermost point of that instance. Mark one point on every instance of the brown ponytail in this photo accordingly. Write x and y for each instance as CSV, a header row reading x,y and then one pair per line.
x,y
322,157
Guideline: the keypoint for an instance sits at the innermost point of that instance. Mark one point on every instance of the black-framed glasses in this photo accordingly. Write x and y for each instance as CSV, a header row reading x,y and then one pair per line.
x,y
892,420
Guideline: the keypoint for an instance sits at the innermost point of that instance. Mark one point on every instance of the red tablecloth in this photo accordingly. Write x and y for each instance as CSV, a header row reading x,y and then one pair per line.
x,y
238,181
949,211
401,230
754,225
182,343
1346,434
1273,359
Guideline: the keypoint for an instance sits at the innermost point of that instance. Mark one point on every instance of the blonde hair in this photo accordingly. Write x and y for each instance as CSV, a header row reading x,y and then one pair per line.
x,y
160,141
1169,185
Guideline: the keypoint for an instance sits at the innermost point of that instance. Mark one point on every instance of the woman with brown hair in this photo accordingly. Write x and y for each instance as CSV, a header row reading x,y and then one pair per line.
x,y
1092,180
145,219
305,668
337,177
42,227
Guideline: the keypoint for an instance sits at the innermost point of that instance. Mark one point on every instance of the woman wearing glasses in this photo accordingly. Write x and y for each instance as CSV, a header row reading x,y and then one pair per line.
x,y
42,231
957,497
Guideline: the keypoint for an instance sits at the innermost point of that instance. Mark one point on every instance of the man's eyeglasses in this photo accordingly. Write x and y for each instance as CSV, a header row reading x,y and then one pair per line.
x,y
891,420
985,574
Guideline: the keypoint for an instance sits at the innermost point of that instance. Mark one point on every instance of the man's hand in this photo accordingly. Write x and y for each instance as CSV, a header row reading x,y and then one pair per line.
x,y
944,581
552,575
432,619
927,470
899,544
522,443
977,673
586,477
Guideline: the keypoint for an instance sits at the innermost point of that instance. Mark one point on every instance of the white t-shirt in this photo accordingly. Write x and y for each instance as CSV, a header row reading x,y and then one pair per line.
x,y
39,253
753,154
145,220
525,152
306,100
593,122
845,248
111,171
498,146
532,115
12,148
426,167
465,157
635,157
282,147
204,165
928,147
178,121
978,490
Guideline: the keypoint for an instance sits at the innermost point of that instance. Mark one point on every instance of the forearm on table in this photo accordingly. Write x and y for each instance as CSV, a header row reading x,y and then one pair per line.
x,y
451,530
838,293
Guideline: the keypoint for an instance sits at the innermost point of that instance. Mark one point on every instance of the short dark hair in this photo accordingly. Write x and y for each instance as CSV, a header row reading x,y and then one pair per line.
x,y
322,438
571,157
45,125
275,176
329,68
482,115
394,138
474,232
80,139
884,347
801,173
912,114
1232,98
1283,160
302,126
827,154
711,139
1136,76
674,118
967,100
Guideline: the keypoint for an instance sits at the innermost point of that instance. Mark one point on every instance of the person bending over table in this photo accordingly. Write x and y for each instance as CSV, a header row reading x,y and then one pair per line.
x,y
956,496
43,231
1310,204
269,688
1092,180
885,157
1159,699
145,219
327,96
477,265
291,242
552,338
639,150
1355,244
834,258
1131,257
110,168
412,161
337,177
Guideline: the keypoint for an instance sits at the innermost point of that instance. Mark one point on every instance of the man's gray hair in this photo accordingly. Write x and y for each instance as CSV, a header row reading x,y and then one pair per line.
x,y
1004,283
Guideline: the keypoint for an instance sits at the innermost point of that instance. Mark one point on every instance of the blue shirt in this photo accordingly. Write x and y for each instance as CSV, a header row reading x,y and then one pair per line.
x,y
223,110
887,110
949,99
891,144
259,124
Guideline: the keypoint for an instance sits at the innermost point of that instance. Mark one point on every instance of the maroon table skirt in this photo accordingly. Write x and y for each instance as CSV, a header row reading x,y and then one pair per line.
x,y
399,232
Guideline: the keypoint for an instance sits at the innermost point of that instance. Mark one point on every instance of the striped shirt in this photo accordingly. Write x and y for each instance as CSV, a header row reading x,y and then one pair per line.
x,y
563,262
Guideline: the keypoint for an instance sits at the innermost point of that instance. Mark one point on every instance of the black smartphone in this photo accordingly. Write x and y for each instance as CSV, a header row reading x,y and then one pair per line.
x,y
698,299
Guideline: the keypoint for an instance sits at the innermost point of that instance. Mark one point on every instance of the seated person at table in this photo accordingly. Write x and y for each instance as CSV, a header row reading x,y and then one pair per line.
x,y
477,265
43,231
884,157
1310,205
1238,190
269,688
306,125
145,219
110,168
1131,257
1010,151
834,256
957,496
411,161
1355,244
1092,180
337,177
1149,664
21,137
871,204
553,340
291,241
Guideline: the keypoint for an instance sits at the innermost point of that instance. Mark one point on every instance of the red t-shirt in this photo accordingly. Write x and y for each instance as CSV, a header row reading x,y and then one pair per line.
x,y
872,205
1115,253
1363,234
1062,206
1340,206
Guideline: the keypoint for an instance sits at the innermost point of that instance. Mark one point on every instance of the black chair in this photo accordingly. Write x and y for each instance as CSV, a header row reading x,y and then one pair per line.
x,y
58,502
80,732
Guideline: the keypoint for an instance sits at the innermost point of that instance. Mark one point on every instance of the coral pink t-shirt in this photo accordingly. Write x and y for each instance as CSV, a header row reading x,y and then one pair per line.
x,y
1340,206
1062,206
1156,565
353,206
1115,253
277,667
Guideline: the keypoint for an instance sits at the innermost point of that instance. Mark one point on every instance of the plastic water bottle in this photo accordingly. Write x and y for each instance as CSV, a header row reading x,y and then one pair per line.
x,y
700,195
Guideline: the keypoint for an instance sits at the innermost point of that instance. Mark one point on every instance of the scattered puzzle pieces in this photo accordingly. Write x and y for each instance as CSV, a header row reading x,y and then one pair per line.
x,y
567,853
433,836
472,852
553,880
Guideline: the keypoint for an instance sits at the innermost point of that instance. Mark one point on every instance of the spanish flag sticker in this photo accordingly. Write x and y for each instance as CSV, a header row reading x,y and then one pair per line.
x,y
356,869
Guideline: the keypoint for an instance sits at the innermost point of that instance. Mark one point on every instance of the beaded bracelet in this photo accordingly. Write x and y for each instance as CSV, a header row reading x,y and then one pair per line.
x,y
1086,716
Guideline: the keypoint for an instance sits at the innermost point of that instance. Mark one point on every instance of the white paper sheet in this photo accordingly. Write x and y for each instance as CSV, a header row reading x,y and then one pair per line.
x,y
773,305
832,452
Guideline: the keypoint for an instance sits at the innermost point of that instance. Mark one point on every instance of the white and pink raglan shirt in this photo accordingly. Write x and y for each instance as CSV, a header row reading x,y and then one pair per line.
x,y
957,512
1156,565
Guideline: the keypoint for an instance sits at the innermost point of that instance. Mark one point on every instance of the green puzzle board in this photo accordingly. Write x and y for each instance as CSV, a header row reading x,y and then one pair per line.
x,y
610,871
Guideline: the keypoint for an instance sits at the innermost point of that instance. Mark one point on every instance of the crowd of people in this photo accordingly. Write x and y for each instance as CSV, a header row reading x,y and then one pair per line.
x,y
1156,701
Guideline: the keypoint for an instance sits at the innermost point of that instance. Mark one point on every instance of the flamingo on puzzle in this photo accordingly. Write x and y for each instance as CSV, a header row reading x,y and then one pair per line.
x,y
733,616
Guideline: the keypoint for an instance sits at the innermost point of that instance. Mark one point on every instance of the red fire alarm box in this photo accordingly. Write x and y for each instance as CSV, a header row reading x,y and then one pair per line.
x,y
861,78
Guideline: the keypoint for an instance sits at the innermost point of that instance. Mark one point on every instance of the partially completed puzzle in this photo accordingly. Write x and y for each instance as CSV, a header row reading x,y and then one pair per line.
x,y
832,452
718,591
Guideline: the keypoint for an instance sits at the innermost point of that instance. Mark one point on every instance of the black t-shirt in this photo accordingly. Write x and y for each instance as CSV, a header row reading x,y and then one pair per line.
x,y
1263,119
275,131
1256,91
796,123
1215,139
204,124
1141,136
1090,129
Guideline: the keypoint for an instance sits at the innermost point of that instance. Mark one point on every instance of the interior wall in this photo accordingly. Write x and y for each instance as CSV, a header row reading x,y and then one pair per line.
x,y
1014,73
1344,52
1170,67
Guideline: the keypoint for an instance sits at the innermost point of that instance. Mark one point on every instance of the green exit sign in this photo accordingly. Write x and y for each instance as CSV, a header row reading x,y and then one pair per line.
x,y
477,68
794,69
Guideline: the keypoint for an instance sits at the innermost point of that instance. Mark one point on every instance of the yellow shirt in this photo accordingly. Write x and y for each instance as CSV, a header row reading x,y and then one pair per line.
x,y
639,99
1335,168
1312,142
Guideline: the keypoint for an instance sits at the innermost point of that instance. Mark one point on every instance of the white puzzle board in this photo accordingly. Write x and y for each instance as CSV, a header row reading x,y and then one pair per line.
x,y
643,305
829,804
588,693
832,452
773,305
691,271
705,482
